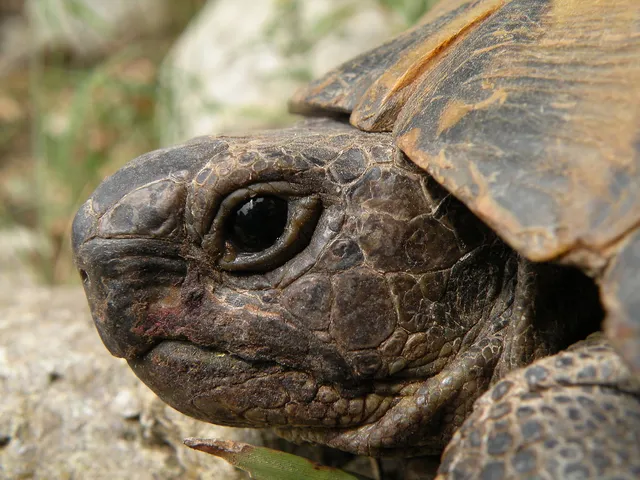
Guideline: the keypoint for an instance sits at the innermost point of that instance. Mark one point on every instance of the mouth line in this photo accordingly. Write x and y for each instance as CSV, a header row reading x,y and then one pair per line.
x,y
200,351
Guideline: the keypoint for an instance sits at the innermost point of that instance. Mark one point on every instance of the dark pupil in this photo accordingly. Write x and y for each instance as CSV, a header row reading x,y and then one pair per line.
x,y
258,223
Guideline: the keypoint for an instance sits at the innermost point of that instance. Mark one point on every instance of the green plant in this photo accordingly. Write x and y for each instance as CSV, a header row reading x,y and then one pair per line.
x,y
410,10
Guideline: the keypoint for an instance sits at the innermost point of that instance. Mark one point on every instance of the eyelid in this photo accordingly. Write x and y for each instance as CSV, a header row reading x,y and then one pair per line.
x,y
303,213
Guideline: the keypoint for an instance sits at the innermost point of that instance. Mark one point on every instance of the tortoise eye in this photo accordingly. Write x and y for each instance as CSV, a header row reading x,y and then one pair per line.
x,y
261,227
258,223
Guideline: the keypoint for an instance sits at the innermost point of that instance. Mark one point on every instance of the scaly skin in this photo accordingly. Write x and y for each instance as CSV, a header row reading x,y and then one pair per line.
x,y
380,315
572,415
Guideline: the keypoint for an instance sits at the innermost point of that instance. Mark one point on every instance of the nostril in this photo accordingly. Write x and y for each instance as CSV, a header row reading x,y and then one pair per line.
x,y
84,276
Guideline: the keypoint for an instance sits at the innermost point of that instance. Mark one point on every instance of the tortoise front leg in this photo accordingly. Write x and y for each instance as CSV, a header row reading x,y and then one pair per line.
x,y
571,415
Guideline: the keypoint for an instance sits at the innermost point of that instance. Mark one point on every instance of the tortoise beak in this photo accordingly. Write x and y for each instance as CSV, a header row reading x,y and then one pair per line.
x,y
123,274
122,278
127,239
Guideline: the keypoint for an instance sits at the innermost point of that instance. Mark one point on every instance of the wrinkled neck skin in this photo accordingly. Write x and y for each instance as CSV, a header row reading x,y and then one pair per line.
x,y
371,325
527,319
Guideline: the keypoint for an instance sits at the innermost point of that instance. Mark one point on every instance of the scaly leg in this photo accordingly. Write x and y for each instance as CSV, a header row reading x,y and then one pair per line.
x,y
571,415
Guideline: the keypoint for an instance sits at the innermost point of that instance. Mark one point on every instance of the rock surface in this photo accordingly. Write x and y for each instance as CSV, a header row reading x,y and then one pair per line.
x,y
87,28
69,409
83,29
239,61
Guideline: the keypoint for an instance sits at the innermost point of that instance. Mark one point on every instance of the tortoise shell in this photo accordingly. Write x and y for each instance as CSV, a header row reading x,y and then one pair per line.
x,y
528,111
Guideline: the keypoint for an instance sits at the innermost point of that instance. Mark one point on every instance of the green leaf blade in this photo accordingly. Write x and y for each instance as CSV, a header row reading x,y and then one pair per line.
x,y
267,464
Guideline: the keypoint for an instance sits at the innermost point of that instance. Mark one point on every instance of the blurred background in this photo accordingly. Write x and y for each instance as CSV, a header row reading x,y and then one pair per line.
x,y
87,85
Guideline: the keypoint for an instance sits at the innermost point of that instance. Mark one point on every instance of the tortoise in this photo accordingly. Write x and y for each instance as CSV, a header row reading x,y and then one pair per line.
x,y
443,255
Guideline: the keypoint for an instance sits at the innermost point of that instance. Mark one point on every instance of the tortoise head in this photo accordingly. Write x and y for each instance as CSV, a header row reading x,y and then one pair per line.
x,y
309,277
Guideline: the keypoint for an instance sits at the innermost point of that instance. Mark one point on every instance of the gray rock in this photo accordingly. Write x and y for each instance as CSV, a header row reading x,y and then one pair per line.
x,y
240,60
81,28
89,27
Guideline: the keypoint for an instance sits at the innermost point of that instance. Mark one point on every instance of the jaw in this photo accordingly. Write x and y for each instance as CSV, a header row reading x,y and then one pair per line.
x,y
214,386
222,388
406,417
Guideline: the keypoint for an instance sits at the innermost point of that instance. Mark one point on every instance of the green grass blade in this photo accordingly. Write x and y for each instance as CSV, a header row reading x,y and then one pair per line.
x,y
267,464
